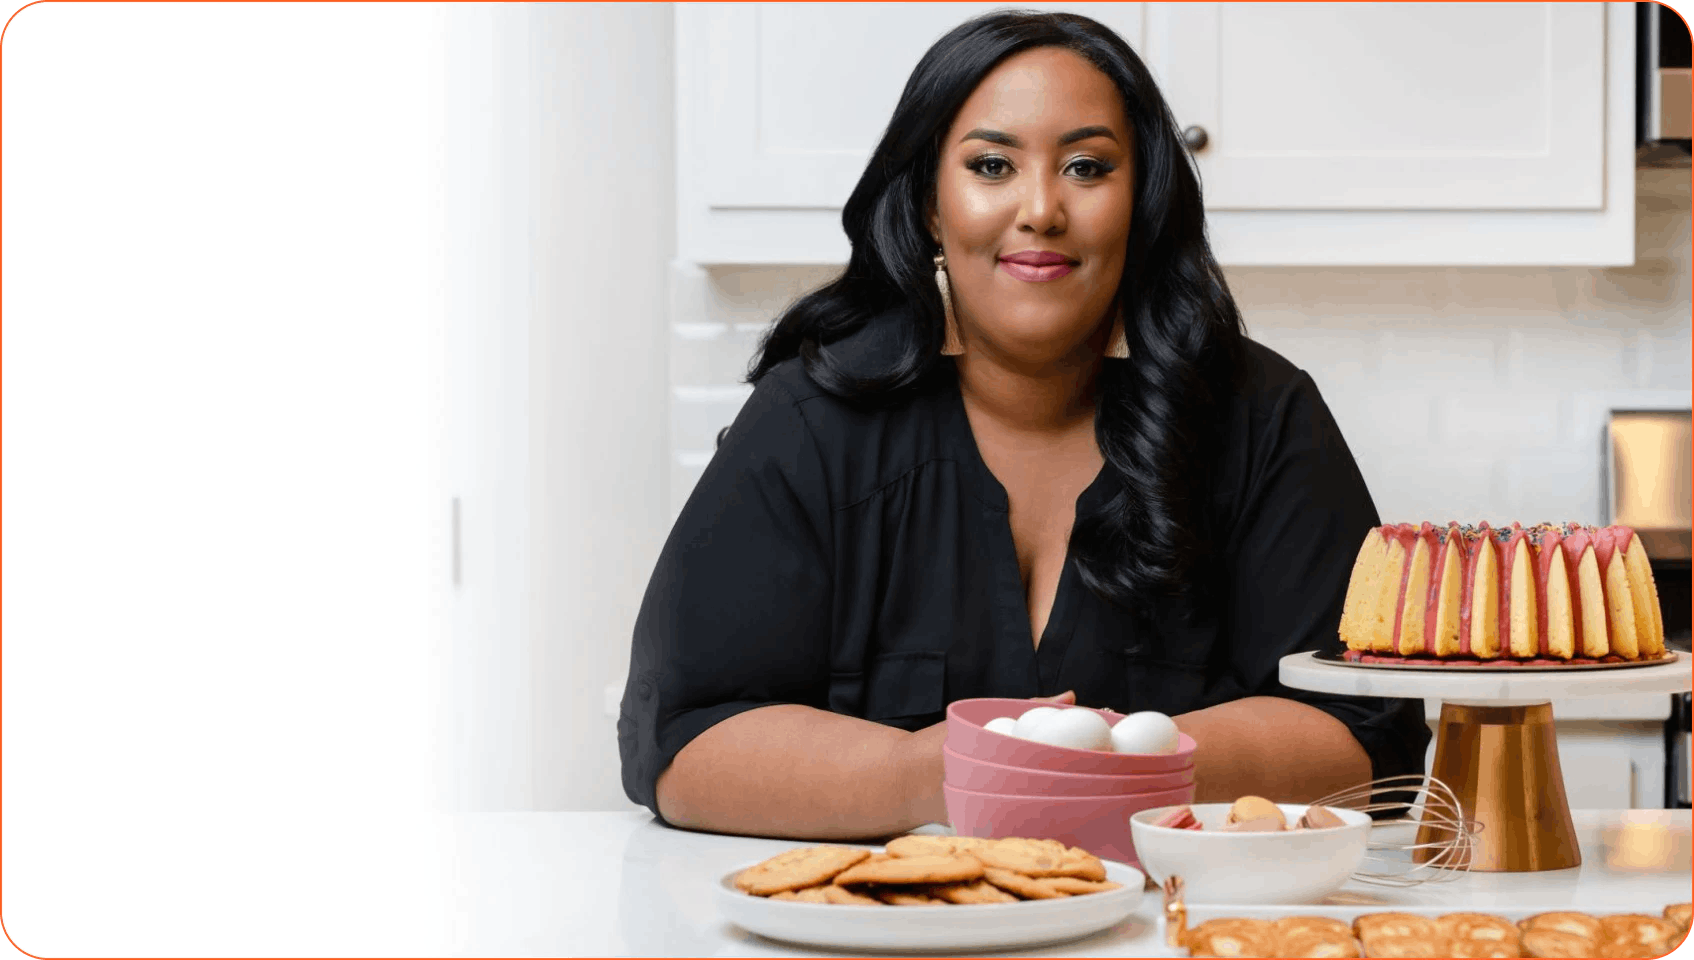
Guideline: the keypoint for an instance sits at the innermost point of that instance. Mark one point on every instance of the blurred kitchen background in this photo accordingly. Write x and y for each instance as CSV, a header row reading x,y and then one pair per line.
x,y
1469,222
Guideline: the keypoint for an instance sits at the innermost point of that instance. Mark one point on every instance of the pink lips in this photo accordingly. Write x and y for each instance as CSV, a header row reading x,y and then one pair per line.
x,y
1037,266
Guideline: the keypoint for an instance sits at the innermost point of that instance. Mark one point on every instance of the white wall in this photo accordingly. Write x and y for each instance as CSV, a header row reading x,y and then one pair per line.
x,y
223,530
1465,393
561,177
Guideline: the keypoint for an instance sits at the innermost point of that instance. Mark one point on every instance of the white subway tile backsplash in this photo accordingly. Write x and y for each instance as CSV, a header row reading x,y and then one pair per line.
x,y
757,294
693,459
1544,356
690,293
1316,293
699,413
717,393
1434,484
1503,421
1509,292
699,332
683,478
1330,356
1553,486
1372,418
1664,363
1422,355
1648,294
704,354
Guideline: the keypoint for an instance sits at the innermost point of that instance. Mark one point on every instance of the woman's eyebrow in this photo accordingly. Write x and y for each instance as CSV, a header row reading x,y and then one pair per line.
x,y
1007,140
1083,133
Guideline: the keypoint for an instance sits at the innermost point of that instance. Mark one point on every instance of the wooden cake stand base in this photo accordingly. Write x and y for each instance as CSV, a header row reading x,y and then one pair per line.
x,y
1495,746
1503,764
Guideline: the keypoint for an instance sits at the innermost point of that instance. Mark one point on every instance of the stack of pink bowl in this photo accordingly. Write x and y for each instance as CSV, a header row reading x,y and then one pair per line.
x,y
1001,786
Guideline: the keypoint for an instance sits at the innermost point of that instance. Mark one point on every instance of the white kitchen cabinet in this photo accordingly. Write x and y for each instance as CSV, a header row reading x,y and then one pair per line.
x,y
1477,106
1338,134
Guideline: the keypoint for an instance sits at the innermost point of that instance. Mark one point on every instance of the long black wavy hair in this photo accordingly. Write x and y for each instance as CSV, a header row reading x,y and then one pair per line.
x,y
1157,412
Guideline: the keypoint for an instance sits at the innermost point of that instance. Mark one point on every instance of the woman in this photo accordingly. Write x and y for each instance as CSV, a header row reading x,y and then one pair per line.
x,y
1020,448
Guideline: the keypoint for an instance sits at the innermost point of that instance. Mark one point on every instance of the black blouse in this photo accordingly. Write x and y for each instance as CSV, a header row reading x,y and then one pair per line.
x,y
861,561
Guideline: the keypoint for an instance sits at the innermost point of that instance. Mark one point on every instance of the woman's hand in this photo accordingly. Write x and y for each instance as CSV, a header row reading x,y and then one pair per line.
x,y
919,756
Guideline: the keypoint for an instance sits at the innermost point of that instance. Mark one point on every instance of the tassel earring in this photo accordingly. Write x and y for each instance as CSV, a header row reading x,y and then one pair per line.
x,y
1117,345
951,343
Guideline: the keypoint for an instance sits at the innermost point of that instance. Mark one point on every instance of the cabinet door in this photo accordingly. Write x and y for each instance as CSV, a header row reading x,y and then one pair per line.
x,y
1390,106
789,99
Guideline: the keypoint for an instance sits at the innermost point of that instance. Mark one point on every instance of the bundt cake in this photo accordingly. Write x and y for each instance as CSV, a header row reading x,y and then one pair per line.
x,y
1559,592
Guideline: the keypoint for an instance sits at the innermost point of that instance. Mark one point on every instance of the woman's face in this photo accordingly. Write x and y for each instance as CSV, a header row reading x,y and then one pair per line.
x,y
1032,207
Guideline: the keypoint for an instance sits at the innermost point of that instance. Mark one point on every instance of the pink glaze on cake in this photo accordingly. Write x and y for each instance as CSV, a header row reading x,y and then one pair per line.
x,y
1407,536
1506,560
1575,543
1545,551
1441,541
1472,539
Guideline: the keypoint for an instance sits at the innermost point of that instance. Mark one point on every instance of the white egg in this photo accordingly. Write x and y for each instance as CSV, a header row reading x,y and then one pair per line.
x,y
1076,728
1030,719
1145,732
1002,725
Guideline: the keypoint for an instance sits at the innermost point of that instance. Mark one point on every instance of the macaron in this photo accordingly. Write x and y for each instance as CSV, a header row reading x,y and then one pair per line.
x,y
1249,809
1319,818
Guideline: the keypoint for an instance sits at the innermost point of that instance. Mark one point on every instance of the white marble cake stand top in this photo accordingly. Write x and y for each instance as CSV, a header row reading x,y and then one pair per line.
x,y
1303,671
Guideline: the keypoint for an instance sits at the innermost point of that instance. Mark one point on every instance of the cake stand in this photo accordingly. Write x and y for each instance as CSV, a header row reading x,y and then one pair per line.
x,y
1496,747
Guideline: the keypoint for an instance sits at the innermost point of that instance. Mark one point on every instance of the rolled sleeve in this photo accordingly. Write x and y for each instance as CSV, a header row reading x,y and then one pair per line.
x,y
736,613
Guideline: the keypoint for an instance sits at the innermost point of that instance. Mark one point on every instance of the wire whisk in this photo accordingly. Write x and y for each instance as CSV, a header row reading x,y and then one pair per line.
x,y
1419,833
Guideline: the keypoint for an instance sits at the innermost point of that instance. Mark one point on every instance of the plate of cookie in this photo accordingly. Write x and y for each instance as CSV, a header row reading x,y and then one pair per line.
x,y
931,893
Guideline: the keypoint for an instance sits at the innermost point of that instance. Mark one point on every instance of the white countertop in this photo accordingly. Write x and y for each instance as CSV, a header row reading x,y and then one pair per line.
x,y
390,883
620,884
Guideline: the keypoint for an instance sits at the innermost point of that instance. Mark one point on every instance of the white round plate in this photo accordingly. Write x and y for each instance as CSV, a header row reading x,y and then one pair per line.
x,y
1304,671
963,928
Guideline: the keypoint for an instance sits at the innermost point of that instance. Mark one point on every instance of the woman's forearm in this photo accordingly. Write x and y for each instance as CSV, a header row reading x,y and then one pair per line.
x,y
1271,747
794,771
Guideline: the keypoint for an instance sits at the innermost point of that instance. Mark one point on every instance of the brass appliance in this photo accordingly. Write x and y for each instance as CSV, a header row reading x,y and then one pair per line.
x,y
1649,466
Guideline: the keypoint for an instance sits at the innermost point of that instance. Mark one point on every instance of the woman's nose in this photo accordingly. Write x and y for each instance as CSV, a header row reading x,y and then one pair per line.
x,y
1043,207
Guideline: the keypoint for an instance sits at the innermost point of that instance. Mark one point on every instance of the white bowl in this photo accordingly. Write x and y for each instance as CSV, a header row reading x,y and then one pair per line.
x,y
1293,866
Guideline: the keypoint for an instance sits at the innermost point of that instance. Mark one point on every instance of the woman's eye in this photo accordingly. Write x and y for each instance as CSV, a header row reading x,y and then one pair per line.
x,y
991,167
1090,169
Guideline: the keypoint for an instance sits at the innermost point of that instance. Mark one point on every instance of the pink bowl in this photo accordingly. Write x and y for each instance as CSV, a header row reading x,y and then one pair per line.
x,y
967,737
980,776
1099,825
